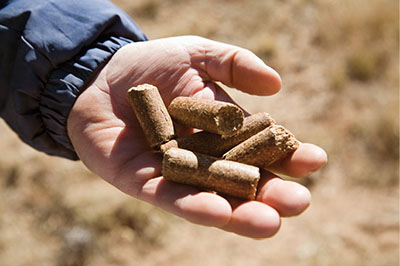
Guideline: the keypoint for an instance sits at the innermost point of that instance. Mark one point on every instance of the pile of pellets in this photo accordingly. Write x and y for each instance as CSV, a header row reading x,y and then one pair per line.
x,y
226,156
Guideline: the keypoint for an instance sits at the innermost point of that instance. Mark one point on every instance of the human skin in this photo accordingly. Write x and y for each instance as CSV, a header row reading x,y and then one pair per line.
x,y
108,139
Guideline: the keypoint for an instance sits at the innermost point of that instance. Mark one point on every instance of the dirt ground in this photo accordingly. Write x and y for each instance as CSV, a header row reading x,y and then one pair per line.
x,y
339,62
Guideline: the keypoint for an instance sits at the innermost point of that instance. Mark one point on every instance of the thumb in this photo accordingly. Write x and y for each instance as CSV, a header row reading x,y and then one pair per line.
x,y
237,67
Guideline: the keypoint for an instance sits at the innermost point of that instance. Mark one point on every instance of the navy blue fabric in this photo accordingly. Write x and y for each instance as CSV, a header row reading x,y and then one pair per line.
x,y
49,51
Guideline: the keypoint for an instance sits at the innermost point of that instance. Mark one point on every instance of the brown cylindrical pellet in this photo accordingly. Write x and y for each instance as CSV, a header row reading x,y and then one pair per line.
x,y
223,176
152,114
212,116
216,145
265,148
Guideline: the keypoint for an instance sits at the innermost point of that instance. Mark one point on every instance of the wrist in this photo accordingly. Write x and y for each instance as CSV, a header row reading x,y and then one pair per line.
x,y
64,86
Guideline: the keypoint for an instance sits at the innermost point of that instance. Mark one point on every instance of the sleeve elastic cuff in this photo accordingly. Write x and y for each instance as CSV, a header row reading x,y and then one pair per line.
x,y
65,84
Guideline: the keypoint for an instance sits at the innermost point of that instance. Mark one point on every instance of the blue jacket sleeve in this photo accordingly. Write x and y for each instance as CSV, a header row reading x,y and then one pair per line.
x,y
49,51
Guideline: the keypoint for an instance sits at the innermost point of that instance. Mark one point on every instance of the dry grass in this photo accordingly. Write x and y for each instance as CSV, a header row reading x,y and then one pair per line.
x,y
339,64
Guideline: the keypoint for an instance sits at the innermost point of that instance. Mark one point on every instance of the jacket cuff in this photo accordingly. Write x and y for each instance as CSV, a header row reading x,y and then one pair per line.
x,y
65,84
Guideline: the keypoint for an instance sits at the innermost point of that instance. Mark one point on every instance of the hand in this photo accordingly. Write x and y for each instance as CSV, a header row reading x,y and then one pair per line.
x,y
109,141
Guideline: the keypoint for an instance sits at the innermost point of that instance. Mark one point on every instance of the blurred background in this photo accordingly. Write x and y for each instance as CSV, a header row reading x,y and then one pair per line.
x,y
339,64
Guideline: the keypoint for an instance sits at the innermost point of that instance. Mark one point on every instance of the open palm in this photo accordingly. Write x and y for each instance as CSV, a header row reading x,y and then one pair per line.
x,y
108,138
